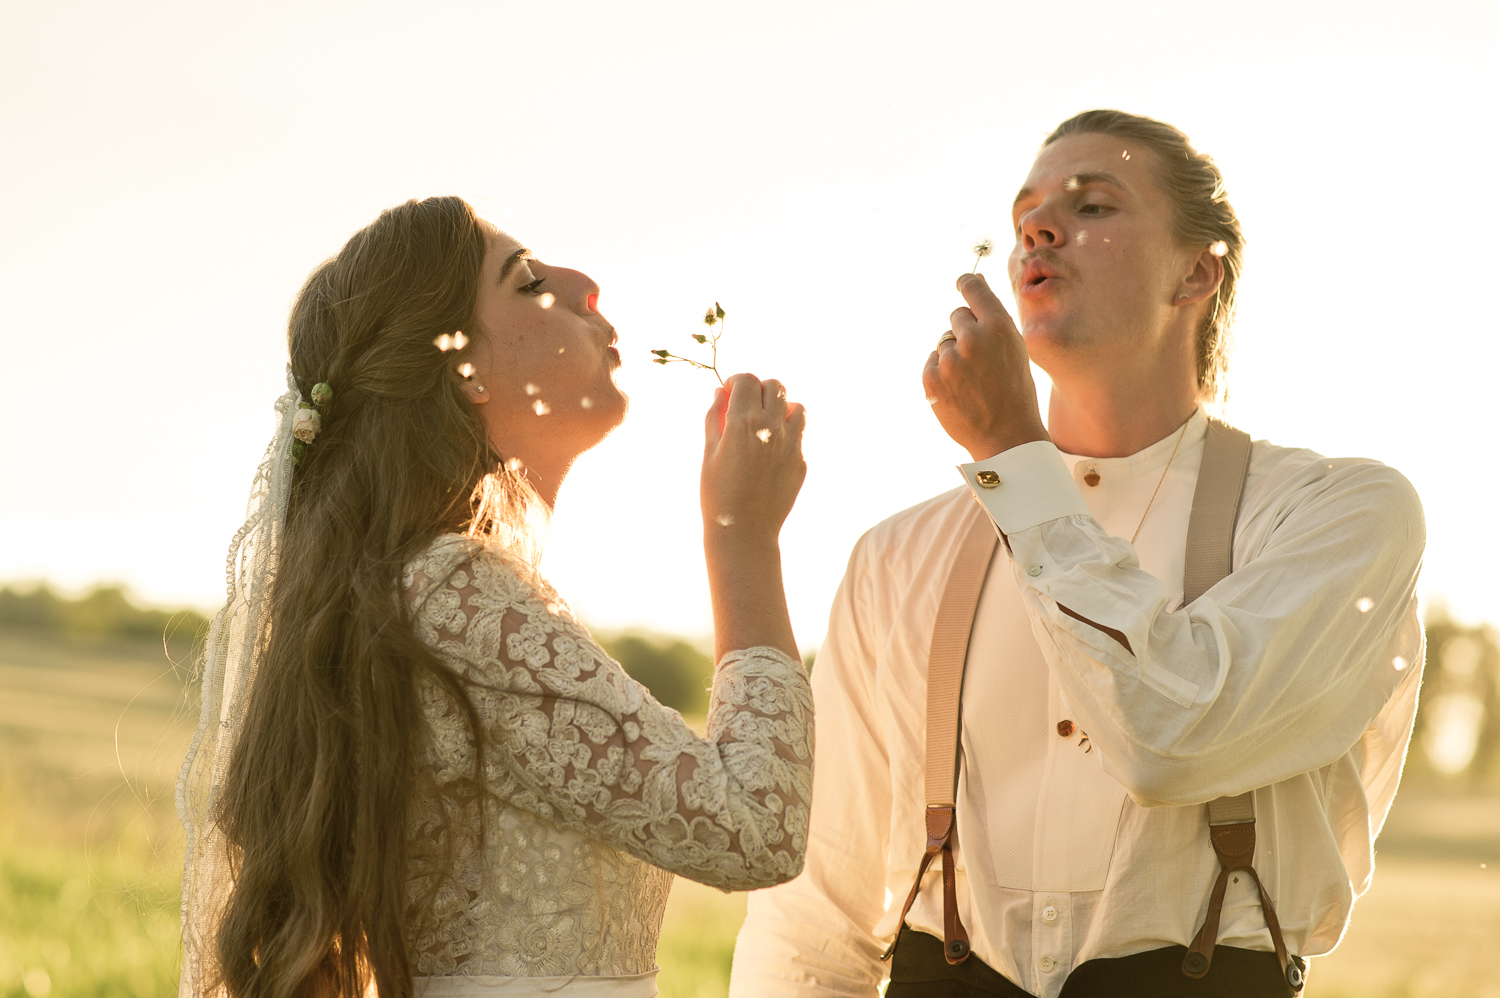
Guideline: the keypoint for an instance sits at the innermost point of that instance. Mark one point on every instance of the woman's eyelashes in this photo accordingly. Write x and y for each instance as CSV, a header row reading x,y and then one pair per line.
x,y
532,287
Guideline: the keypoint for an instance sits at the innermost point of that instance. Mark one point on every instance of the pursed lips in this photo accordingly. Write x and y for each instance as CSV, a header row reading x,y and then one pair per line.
x,y
1037,277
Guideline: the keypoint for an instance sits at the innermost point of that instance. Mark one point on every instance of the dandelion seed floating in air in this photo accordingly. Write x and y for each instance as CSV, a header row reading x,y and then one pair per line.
x,y
512,464
982,249
586,402
540,408
724,520
1083,237
466,370
531,389
713,317
1219,248
1364,604
1071,184
547,299
764,435
1125,154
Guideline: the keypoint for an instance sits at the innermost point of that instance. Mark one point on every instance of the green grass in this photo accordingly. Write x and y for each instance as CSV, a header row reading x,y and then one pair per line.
x,y
91,731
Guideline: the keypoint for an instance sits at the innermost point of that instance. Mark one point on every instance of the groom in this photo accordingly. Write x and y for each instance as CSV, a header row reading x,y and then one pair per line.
x,y
1099,714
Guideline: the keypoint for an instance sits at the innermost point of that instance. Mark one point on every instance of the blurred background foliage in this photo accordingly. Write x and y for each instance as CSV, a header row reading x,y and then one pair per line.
x,y
97,705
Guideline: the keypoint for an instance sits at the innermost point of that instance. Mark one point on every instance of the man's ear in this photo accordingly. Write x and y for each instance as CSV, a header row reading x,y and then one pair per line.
x,y
1202,281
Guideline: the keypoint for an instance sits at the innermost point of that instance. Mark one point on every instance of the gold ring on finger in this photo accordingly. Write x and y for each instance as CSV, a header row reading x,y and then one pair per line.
x,y
949,335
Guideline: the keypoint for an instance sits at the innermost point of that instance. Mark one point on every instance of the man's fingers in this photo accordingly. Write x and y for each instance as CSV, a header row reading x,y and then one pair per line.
x,y
976,291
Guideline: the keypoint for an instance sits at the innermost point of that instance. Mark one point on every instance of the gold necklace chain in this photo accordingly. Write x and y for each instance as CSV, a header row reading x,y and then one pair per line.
x,y
1182,433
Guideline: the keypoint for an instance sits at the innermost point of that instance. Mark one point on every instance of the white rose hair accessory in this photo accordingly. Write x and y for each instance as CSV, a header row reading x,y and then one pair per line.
x,y
306,421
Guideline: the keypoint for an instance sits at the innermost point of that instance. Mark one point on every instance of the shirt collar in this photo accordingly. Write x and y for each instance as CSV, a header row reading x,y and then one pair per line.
x,y
1145,461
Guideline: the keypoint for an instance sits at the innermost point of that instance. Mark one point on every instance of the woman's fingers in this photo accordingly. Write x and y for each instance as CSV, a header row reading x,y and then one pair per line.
x,y
713,421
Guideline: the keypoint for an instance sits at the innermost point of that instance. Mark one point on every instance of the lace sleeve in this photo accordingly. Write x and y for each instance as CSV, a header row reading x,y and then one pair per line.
x,y
572,738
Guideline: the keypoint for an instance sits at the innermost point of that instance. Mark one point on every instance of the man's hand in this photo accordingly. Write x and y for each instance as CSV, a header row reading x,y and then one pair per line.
x,y
980,383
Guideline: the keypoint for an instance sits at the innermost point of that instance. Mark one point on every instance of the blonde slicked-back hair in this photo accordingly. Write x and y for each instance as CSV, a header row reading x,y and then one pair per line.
x,y
1201,216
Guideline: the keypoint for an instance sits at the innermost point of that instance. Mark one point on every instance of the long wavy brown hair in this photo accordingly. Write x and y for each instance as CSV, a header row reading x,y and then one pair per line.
x,y
315,804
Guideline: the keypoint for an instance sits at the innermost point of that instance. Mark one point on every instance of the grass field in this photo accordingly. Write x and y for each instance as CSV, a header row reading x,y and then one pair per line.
x,y
89,858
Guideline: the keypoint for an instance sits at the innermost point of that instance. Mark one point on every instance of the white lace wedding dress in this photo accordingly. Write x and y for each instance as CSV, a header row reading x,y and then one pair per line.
x,y
593,794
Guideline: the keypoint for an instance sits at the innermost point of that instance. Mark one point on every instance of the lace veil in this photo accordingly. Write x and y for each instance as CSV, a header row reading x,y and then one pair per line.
x,y
236,641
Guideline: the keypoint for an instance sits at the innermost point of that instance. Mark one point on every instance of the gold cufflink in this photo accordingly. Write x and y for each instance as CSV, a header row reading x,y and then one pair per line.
x,y
988,480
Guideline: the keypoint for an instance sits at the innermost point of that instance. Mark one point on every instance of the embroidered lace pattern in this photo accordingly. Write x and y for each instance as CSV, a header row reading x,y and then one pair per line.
x,y
593,793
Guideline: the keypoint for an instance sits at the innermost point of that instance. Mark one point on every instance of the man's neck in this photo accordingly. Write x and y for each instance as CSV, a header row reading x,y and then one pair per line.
x,y
1114,419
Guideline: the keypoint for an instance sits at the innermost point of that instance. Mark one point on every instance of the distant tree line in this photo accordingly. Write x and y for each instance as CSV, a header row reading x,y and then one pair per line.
x,y
1459,718
677,673
103,612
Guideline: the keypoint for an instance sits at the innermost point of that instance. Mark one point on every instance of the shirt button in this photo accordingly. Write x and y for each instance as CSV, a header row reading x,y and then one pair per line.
x,y
1049,913
1092,478
1065,728
1034,571
1046,963
988,480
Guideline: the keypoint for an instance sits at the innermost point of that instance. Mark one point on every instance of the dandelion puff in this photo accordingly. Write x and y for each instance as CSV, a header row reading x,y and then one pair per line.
x,y
1219,248
547,299
1364,604
531,389
724,520
540,408
764,434
982,249
586,402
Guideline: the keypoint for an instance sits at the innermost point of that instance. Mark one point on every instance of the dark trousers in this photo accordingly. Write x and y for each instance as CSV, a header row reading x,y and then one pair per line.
x,y
918,970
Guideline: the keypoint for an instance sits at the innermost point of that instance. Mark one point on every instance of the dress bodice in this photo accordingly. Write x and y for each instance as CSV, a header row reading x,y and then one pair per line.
x,y
591,795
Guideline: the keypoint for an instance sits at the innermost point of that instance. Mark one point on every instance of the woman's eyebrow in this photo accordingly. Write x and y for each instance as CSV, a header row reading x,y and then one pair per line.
x,y
510,263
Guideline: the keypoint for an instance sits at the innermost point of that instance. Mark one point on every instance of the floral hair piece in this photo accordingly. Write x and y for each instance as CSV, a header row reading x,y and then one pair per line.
x,y
306,422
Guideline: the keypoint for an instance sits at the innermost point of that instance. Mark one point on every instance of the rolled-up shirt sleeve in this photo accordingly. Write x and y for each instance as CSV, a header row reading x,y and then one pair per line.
x,y
1276,670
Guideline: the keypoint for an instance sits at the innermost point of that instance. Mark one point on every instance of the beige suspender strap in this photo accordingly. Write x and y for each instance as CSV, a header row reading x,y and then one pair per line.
x,y
1216,504
945,658
945,676
1209,558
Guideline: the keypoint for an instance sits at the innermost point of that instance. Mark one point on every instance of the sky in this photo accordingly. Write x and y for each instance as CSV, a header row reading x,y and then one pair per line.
x,y
174,170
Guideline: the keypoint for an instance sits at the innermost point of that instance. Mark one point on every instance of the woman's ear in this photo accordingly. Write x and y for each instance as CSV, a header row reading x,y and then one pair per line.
x,y
472,389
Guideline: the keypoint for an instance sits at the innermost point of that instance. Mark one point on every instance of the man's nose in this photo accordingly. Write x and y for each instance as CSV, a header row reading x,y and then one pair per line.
x,y
1037,229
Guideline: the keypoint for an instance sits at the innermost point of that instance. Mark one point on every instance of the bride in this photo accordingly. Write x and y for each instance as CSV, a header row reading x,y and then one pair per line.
x,y
416,772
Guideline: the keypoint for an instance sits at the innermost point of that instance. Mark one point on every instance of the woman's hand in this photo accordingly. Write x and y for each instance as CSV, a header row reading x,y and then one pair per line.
x,y
752,472
752,459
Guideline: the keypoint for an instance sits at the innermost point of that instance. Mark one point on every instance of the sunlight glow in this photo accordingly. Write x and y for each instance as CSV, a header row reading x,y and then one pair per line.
x,y
548,299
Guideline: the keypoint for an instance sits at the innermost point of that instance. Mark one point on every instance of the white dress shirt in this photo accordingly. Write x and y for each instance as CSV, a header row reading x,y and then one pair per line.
x,y
1296,676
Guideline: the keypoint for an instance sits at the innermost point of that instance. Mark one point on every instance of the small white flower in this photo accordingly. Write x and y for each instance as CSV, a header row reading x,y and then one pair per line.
x,y
306,424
